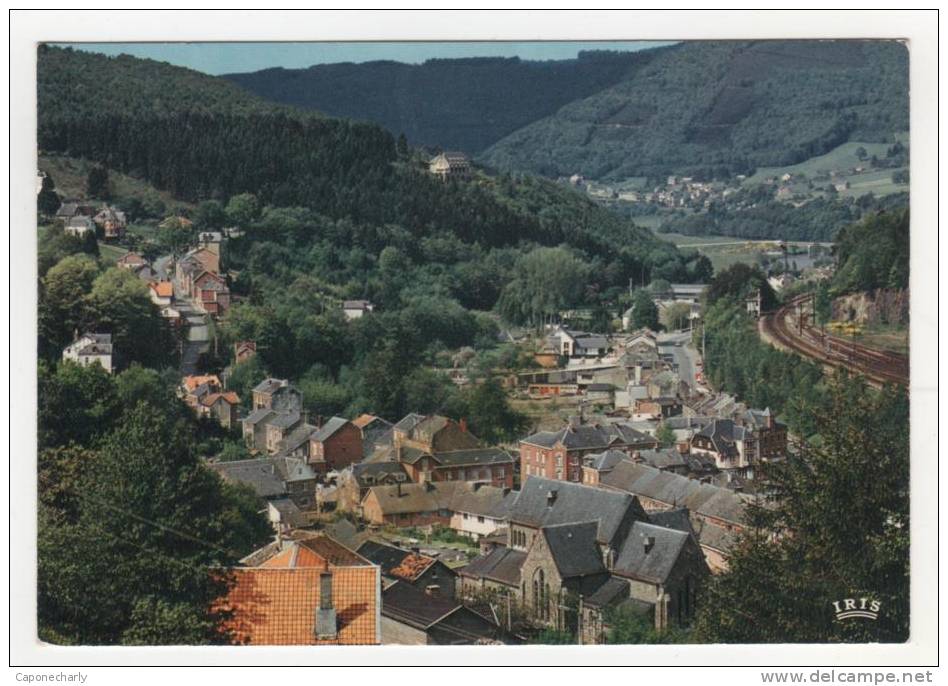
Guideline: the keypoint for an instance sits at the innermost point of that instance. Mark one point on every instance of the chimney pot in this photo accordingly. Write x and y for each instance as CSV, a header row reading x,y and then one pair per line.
x,y
551,497
649,544
326,613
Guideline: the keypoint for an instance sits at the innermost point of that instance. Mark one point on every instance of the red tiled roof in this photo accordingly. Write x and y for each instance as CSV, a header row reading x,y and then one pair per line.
x,y
412,566
192,382
163,289
268,606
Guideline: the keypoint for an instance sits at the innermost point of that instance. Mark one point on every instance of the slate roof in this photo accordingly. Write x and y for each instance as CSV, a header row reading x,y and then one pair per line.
x,y
485,500
605,460
269,385
677,519
573,548
676,490
501,564
408,422
409,605
92,344
590,437
261,475
329,428
716,537
284,420
573,503
297,437
376,470
667,458
655,565
258,416
290,513
613,589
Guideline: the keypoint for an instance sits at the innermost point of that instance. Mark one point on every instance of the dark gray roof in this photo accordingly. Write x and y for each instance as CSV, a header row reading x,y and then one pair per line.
x,y
501,564
266,476
667,458
614,589
284,420
676,490
681,422
604,461
289,512
573,503
716,537
655,565
269,385
591,436
297,437
405,603
573,548
329,428
257,416
591,342
408,422
677,519
480,499
376,470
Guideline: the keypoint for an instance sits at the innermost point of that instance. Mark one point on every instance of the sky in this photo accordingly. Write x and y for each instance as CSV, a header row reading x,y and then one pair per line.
x,y
227,58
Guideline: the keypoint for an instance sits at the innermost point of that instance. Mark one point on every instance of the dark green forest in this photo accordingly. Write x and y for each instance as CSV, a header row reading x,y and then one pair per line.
x,y
455,104
720,108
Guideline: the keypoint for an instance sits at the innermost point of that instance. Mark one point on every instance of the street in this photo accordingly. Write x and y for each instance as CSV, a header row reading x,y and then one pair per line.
x,y
678,344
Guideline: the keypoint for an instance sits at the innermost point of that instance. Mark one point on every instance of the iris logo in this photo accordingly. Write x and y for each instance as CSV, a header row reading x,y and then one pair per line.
x,y
856,608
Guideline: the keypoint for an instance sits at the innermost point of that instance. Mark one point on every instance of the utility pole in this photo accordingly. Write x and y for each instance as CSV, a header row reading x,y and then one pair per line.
x,y
579,621
509,621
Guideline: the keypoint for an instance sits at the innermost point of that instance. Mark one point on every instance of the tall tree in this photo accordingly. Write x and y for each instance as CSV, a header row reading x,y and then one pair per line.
x,y
644,312
97,183
48,201
835,526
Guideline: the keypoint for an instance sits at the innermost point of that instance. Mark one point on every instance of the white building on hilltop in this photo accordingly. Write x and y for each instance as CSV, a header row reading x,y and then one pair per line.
x,y
91,348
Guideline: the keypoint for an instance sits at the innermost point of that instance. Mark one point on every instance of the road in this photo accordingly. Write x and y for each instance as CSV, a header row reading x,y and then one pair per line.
x,y
678,344
198,340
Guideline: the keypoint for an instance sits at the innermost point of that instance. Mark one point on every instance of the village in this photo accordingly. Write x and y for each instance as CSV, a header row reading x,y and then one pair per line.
x,y
629,492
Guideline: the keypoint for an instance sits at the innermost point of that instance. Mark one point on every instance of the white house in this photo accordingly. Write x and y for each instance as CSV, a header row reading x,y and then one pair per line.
x,y
79,226
353,309
91,348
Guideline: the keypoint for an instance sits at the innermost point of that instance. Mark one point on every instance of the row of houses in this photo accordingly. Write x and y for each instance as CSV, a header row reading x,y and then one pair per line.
x,y
80,218
198,274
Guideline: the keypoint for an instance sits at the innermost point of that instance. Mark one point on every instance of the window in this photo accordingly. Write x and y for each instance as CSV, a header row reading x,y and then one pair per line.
x,y
480,520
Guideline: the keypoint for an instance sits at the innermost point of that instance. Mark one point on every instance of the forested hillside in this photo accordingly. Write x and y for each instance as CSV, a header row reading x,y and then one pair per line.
x,y
464,104
722,108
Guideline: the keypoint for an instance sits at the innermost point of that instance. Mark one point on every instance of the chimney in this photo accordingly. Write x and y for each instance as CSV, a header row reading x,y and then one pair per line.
x,y
550,497
463,424
649,544
415,549
398,489
325,613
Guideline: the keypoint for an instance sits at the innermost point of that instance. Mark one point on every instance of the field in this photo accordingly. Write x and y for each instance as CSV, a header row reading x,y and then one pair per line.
x,y
886,337
111,252
839,158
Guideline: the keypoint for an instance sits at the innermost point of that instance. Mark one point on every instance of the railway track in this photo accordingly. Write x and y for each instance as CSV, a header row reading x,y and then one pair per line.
x,y
878,366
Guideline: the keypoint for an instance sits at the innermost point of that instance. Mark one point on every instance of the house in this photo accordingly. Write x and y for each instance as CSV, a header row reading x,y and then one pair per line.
x,y
355,482
409,504
781,281
210,293
278,395
244,350
558,454
411,616
665,460
354,309
436,448
335,445
210,260
424,572
600,393
112,222
91,348
572,343
161,293
688,292
211,241
661,407
599,464
479,510
285,515
175,220
771,435
717,514
450,165
221,406
131,260
273,478
376,433
732,446
495,573
79,226
278,428
205,395
580,542
311,591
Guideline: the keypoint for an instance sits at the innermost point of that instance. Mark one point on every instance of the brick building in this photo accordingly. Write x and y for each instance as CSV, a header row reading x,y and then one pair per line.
x,y
559,454
335,445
